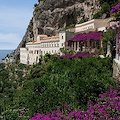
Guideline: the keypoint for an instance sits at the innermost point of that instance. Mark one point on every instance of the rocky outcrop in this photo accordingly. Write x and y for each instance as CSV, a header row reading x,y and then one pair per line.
x,y
51,16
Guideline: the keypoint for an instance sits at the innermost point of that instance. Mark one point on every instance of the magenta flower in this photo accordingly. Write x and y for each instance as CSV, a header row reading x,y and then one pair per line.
x,y
79,55
114,10
85,37
108,108
114,26
118,23
110,28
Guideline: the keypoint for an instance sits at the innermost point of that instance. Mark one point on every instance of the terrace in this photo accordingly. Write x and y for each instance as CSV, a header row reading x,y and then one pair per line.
x,y
85,42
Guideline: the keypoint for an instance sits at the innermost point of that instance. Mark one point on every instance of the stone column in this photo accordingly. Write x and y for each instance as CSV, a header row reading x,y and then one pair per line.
x,y
78,47
108,50
88,48
74,46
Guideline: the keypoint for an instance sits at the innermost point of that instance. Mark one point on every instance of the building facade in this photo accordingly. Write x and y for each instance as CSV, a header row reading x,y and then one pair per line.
x,y
43,44
92,25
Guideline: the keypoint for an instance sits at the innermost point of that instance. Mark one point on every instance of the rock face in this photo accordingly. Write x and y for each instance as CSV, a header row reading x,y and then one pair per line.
x,y
51,16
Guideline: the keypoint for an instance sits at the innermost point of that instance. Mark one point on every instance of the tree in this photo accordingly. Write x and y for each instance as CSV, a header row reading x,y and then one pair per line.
x,y
35,5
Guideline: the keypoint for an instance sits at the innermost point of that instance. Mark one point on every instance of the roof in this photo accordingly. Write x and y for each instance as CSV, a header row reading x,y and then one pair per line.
x,y
42,41
91,21
43,35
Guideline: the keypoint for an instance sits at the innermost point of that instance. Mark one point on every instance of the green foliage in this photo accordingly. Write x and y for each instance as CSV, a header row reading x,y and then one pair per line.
x,y
6,89
109,37
35,5
37,9
20,74
46,57
10,115
117,16
105,8
11,77
82,21
67,51
68,27
97,15
74,17
73,81
36,71
22,66
2,65
110,2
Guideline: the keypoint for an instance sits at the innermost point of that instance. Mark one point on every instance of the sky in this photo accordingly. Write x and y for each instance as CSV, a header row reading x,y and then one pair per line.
x,y
15,16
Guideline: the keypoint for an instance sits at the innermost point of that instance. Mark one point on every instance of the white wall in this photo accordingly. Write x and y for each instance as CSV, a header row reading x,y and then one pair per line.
x,y
23,55
99,24
37,49
62,37
84,27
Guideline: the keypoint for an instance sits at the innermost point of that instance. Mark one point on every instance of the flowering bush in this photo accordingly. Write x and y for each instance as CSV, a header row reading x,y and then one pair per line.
x,y
114,26
108,107
115,9
79,55
118,43
86,37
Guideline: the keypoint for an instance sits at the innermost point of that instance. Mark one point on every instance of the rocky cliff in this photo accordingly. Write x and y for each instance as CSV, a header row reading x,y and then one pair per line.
x,y
50,16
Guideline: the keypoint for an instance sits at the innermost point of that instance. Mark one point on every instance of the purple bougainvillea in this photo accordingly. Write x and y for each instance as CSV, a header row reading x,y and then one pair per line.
x,y
107,108
114,26
118,43
115,9
85,37
79,55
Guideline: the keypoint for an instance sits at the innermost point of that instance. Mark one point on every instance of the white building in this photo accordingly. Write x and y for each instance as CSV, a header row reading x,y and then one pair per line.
x,y
92,25
44,44
7,60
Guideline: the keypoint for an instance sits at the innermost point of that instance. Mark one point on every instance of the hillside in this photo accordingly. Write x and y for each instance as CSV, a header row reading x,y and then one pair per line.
x,y
46,86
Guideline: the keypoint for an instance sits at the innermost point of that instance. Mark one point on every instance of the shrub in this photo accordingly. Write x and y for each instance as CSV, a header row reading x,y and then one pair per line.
x,y
108,107
74,81
10,115
97,15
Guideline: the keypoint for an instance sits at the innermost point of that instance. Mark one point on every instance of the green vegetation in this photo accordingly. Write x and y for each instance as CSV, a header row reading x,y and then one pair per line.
x,y
51,83
105,8
82,21
63,80
97,15
110,2
47,85
68,27
11,79
109,37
